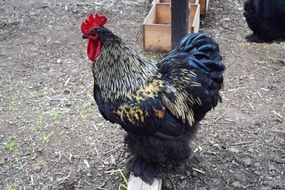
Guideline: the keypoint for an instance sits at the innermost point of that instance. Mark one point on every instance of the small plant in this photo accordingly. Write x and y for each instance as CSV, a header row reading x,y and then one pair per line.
x,y
12,102
124,184
16,119
55,115
11,144
41,123
74,127
41,163
10,187
47,137
83,109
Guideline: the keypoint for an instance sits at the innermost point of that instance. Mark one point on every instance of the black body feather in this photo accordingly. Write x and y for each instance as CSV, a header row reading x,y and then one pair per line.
x,y
161,108
266,18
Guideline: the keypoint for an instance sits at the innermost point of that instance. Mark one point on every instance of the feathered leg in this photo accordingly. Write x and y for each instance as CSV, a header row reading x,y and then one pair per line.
x,y
152,156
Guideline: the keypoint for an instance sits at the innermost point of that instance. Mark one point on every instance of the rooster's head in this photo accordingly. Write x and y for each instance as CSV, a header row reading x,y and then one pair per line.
x,y
91,29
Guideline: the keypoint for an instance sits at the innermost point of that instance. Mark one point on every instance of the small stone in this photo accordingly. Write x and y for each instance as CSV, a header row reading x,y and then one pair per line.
x,y
271,167
257,172
247,162
234,150
38,169
106,162
236,184
26,153
66,92
68,105
183,184
257,164
113,160
2,161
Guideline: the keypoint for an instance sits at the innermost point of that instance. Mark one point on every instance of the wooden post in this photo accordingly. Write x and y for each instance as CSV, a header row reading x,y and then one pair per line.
x,y
136,183
179,20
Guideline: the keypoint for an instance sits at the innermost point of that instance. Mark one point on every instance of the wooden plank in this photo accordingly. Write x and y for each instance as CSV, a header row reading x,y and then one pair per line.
x,y
179,20
157,37
151,16
135,183
204,6
163,13
155,1
194,18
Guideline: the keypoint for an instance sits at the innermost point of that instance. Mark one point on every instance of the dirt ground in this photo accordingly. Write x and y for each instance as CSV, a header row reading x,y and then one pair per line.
x,y
52,136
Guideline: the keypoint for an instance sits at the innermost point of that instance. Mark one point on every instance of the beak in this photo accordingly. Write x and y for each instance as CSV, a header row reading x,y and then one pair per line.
x,y
85,36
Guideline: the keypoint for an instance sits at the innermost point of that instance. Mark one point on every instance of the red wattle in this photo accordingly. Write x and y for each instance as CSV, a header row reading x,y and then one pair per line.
x,y
93,49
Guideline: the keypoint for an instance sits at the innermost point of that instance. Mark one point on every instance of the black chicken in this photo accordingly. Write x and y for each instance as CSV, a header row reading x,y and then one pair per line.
x,y
266,18
159,105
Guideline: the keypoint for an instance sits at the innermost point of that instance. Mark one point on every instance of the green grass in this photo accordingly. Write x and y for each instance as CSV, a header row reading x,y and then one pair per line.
x,y
47,136
10,187
74,127
154,56
40,124
41,163
124,184
11,144
12,104
83,110
55,115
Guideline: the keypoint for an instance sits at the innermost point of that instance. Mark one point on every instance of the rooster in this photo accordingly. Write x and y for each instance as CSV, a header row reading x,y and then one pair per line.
x,y
158,105
266,18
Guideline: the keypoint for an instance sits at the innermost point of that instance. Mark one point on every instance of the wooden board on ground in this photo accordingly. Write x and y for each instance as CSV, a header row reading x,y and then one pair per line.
x,y
135,183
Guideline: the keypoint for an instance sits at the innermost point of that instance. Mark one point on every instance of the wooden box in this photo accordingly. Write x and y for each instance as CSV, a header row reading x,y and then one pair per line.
x,y
157,25
204,4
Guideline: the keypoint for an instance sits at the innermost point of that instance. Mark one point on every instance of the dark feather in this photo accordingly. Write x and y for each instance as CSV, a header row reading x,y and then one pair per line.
x,y
161,116
266,18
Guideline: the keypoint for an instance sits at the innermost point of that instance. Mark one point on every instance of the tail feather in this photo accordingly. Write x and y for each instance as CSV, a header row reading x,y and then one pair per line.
x,y
200,52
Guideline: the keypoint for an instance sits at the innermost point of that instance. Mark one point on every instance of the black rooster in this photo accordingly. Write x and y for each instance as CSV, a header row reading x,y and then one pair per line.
x,y
159,105
266,18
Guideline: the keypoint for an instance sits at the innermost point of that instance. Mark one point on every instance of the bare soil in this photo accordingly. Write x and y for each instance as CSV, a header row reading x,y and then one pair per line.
x,y
53,137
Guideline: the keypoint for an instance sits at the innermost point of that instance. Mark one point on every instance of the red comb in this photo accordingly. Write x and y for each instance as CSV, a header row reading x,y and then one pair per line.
x,y
93,21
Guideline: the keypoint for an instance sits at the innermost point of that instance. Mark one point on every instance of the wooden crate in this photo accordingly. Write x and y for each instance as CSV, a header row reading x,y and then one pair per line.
x,y
157,26
204,6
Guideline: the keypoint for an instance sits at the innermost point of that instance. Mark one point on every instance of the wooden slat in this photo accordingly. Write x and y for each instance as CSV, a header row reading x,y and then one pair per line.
x,y
163,15
204,6
157,37
135,183
194,18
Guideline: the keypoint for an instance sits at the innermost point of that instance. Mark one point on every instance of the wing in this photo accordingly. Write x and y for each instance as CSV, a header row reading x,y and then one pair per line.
x,y
143,112
194,73
181,95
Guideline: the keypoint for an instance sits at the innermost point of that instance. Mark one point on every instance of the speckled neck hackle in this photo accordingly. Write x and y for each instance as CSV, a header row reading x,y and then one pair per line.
x,y
119,71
